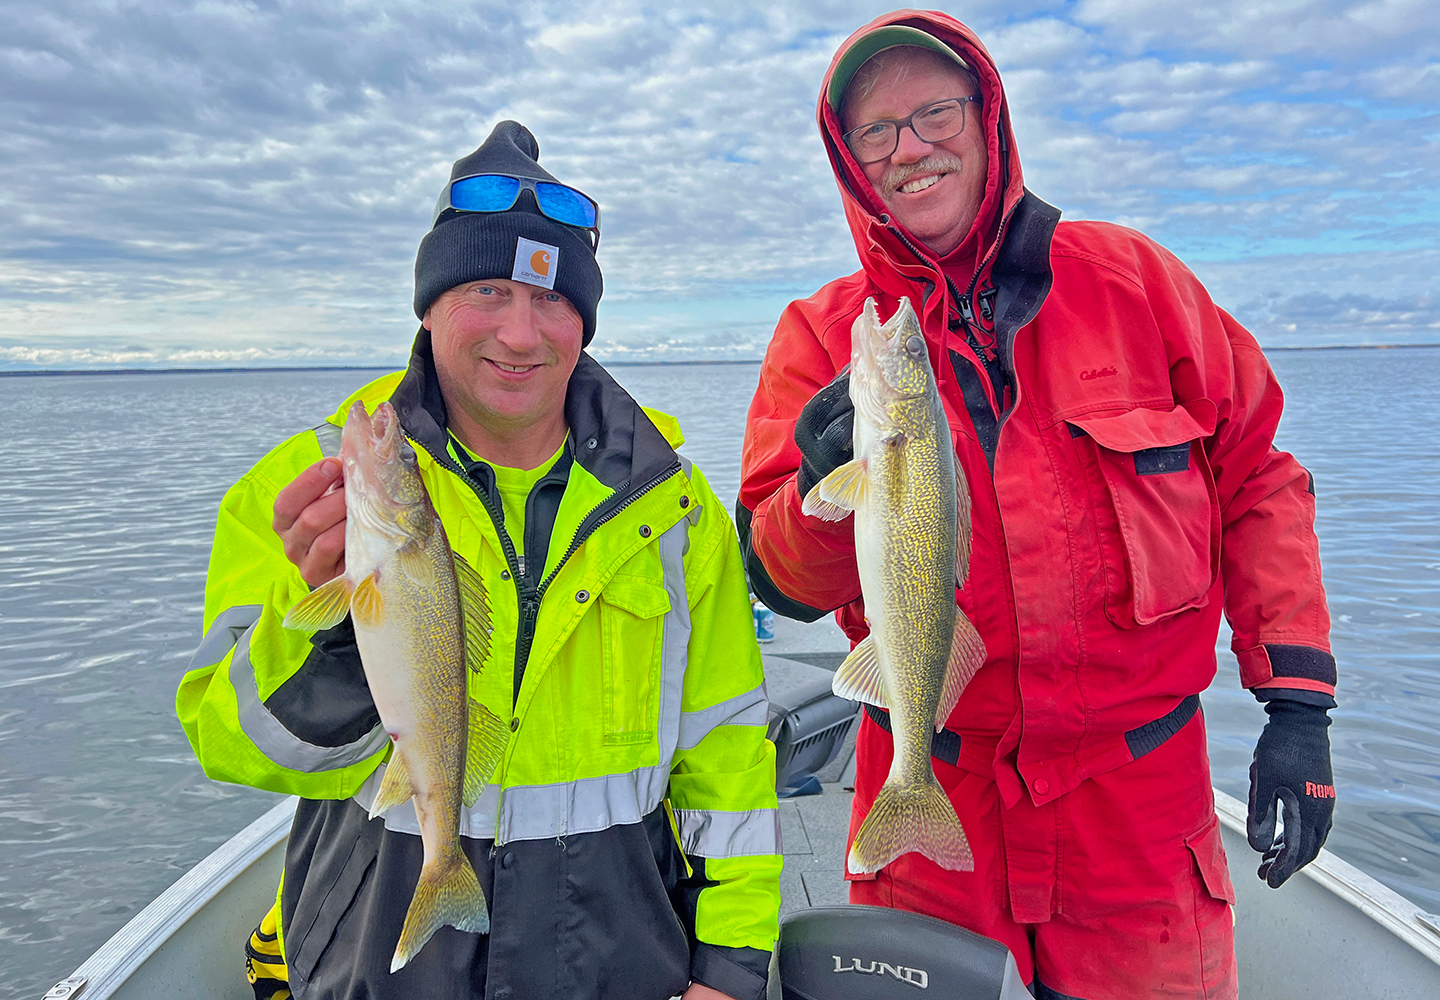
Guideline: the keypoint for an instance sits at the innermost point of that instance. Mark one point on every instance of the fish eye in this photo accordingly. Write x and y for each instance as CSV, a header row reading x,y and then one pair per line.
x,y
915,345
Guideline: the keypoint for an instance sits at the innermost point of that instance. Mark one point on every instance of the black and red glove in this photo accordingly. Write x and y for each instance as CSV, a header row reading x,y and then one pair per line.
x,y
825,432
1291,768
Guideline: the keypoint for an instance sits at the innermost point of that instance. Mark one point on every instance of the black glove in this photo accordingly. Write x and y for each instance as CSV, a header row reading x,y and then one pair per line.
x,y
1291,764
825,433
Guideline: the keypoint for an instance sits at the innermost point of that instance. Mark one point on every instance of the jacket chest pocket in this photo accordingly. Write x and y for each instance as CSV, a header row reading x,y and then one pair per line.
x,y
1156,511
632,616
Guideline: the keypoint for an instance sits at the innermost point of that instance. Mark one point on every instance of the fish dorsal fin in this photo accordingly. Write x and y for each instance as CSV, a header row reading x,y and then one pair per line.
x,y
967,654
475,610
322,608
395,787
963,530
835,496
413,563
859,677
488,738
366,605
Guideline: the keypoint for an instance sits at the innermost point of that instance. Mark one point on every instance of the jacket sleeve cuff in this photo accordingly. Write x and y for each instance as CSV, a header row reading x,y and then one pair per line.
x,y
759,577
1265,695
327,702
738,972
1300,668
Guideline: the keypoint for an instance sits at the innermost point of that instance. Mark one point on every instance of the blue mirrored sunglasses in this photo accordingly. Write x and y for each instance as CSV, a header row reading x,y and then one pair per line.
x,y
499,192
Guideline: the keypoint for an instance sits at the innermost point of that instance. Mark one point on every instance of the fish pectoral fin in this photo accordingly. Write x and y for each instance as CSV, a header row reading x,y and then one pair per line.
x,y
845,486
967,654
366,604
839,493
859,677
475,613
488,739
413,563
395,787
323,608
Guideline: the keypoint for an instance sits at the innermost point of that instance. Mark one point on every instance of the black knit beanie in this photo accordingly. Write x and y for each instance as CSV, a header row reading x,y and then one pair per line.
x,y
473,246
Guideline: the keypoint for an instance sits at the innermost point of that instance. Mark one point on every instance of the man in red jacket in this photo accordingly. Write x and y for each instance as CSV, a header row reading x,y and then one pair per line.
x,y
1115,427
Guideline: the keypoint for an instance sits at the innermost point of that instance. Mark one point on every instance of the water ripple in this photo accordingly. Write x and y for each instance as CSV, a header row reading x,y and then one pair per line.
x,y
102,566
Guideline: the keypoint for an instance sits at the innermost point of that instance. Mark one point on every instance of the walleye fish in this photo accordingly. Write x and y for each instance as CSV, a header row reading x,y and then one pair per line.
x,y
912,548
421,618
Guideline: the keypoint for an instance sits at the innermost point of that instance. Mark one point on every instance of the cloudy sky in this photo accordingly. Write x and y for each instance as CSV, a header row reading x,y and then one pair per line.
x,y
245,183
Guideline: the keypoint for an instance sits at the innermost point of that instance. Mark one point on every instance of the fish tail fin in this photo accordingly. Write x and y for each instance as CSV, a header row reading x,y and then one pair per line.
x,y
448,893
906,818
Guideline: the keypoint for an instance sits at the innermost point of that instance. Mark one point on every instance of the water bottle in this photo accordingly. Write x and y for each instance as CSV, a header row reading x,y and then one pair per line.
x,y
764,622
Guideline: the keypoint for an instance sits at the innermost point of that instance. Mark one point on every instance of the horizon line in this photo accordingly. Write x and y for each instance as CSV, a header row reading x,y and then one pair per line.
x,y
33,372
4,372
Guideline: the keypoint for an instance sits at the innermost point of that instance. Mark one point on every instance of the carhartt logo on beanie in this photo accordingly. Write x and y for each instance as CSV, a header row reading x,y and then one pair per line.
x,y
535,263
520,244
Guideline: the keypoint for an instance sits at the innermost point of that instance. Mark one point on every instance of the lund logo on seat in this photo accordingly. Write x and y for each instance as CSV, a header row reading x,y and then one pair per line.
x,y
1094,373
915,977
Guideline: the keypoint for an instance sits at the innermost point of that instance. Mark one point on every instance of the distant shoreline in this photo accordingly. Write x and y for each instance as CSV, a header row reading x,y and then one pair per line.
x,y
40,372
4,372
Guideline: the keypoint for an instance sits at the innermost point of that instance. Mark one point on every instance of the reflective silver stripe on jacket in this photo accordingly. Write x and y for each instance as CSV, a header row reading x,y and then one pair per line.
x,y
749,709
708,833
233,628
588,805
225,631
328,435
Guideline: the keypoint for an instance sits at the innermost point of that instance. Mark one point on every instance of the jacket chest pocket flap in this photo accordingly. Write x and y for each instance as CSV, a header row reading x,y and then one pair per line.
x,y
632,611
1162,546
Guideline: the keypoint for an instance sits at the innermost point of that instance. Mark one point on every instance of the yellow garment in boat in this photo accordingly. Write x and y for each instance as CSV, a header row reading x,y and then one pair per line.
x,y
264,962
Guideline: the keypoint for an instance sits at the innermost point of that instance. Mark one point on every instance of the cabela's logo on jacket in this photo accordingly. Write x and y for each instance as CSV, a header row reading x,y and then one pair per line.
x,y
1093,373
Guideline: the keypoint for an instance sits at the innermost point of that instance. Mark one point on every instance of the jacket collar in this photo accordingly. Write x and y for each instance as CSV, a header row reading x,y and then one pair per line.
x,y
613,438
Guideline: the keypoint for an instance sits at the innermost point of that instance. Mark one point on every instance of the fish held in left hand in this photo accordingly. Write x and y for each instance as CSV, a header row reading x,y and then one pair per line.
x,y
912,549
422,623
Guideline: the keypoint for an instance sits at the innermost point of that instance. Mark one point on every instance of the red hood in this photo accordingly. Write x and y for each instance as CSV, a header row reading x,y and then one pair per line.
x,y
879,239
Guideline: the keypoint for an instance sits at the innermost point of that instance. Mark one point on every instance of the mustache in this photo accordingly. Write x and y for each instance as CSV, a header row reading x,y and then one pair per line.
x,y
939,162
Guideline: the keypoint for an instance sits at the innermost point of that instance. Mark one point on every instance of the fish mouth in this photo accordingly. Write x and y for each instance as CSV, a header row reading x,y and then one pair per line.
x,y
882,369
378,432
368,444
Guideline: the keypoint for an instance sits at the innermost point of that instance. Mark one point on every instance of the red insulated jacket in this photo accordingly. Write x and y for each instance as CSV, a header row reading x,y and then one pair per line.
x,y
1125,484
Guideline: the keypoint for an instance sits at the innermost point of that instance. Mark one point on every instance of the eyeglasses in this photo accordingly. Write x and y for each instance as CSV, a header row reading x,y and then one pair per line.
x,y
936,122
500,192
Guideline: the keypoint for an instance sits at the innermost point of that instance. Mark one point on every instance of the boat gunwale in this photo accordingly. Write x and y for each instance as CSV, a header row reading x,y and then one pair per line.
x,y
145,933
1379,902
111,966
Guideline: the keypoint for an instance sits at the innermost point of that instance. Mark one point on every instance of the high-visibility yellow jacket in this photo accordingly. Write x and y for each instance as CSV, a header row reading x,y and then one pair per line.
x,y
629,840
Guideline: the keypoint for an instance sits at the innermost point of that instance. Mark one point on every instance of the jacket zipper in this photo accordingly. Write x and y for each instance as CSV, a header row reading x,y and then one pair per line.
x,y
530,608
585,530
528,598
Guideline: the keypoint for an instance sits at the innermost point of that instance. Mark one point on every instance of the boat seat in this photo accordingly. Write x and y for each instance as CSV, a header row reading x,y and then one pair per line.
x,y
808,723
877,953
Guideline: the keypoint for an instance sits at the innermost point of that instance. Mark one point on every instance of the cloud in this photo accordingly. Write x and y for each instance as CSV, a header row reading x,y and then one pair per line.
x,y
252,179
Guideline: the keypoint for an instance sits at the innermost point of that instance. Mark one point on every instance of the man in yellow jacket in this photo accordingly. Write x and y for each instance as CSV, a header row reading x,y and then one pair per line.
x,y
628,843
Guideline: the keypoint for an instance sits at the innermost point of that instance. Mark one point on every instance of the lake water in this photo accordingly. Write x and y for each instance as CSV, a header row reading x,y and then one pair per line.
x,y
106,512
